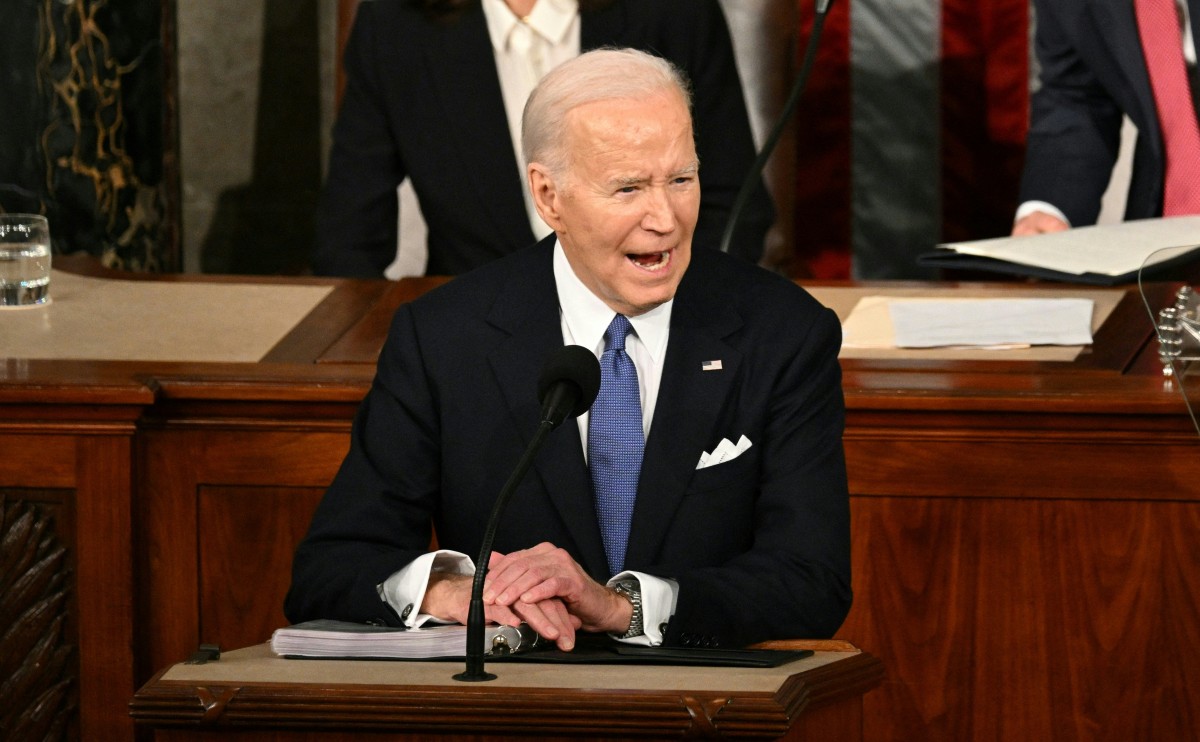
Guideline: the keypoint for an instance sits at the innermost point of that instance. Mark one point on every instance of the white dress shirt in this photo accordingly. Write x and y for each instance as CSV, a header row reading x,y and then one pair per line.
x,y
525,50
584,319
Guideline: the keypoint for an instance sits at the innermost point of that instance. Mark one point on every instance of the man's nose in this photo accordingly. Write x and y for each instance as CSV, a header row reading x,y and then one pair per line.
x,y
660,212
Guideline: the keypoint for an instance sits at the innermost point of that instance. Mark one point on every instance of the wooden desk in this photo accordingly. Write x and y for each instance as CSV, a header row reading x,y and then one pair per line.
x,y
1024,533
250,694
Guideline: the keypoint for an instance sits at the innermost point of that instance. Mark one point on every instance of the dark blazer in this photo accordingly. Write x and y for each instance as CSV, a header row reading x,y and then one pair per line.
x,y
1092,72
759,545
423,100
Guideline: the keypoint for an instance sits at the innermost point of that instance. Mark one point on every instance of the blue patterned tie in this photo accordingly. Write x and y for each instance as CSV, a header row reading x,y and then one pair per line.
x,y
615,442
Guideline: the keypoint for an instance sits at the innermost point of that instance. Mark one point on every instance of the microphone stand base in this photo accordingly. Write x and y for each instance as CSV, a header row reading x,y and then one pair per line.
x,y
474,677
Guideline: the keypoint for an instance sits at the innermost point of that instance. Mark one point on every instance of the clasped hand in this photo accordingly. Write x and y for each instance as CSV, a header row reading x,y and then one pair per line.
x,y
543,587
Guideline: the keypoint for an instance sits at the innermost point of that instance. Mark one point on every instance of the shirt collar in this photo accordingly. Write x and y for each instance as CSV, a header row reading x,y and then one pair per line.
x,y
587,317
550,19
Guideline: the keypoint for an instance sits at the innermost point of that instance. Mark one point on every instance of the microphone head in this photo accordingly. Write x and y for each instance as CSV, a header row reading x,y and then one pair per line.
x,y
573,365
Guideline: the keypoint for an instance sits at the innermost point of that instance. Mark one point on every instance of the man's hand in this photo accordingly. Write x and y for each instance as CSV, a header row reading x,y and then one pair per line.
x,y
1038,222
546,573
448,597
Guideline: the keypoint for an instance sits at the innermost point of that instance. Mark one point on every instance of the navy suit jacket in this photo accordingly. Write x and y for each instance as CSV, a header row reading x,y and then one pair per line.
x,y
423,101
1092,72
759,544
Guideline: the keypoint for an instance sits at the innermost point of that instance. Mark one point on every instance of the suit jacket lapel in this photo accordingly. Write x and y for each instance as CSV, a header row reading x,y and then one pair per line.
x,y
690,403
1193,75
1193,7
460,59
1116,27
528,311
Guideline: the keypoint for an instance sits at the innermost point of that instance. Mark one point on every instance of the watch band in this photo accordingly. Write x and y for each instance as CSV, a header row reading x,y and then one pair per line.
x,y
631,590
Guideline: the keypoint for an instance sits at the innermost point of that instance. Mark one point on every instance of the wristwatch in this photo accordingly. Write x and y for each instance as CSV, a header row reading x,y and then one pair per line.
x,y
631,590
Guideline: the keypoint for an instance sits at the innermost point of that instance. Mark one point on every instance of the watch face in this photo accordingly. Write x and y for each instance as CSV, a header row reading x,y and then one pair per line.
x,y
631,589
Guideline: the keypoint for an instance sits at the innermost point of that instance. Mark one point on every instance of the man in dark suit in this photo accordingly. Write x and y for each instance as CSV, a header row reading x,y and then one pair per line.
x,y
739,530
1093,71
424,100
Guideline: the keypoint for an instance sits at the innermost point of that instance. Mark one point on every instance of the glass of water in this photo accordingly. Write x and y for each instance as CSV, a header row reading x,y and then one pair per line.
x,y
24,260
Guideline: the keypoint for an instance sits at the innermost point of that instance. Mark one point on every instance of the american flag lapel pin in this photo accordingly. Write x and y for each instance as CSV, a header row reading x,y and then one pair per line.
x,y
711,366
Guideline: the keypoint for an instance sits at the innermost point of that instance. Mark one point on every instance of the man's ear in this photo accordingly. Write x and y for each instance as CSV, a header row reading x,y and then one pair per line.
x,y
547,197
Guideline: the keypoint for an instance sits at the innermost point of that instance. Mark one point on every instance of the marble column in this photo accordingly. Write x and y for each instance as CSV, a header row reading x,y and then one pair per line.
x,y
85,111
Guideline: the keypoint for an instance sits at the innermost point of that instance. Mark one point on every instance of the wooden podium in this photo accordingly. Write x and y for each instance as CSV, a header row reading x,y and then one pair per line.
x,y
250,694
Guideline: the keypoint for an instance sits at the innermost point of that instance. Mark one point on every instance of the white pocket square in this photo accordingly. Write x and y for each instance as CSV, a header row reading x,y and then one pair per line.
x,y
725,451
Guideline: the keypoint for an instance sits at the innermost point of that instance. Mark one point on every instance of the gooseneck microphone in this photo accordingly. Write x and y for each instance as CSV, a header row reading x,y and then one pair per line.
x,y
756,170
569,384
567,387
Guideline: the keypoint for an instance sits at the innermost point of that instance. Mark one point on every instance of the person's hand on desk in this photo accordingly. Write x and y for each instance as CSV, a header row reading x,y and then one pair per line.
x,y
448,597
1038,222
546,573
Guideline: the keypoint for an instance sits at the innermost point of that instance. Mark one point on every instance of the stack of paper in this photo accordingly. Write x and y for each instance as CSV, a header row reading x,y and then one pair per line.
x,y
917,322
344,639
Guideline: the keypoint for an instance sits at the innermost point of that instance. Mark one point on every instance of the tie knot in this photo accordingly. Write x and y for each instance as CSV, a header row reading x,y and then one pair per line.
x,y
520,38
614,336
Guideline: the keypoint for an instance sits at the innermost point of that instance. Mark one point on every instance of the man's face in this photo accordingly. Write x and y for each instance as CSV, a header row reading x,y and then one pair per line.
x,y
627,206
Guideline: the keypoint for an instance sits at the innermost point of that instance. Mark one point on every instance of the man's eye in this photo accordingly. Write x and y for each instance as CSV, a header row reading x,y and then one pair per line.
x,y
627,189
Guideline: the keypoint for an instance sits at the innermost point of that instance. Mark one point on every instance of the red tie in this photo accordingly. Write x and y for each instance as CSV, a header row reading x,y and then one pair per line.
x,y
1158,25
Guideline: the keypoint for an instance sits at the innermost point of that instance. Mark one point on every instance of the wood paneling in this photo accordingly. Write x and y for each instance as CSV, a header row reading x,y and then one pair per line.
x,y
999,618
106,600
247,538
1033,463
222,503
37,461
93,517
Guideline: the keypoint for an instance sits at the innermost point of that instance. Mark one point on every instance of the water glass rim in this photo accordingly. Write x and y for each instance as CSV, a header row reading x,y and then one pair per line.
x,y
20,227
17,217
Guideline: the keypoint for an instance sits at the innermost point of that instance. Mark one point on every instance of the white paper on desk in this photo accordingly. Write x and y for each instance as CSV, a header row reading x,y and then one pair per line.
x,y
934,323
869,326
1106,249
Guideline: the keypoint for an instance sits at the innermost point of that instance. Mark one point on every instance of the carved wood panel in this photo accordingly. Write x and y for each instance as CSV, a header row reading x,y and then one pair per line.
x,y
39,661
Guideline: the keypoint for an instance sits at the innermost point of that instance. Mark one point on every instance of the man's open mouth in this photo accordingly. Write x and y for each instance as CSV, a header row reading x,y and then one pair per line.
x,y
654,261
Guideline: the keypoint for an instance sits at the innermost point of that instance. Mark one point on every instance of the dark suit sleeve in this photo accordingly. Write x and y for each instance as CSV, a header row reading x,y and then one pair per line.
x,y
794,579
1075,125
724,140
375,517
356,218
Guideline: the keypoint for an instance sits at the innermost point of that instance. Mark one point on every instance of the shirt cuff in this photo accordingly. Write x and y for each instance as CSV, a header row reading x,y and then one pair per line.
x,y
404,591
658,605
1029,207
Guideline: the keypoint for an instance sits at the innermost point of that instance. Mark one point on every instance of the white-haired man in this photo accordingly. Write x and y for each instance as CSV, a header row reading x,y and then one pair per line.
x,y
718,516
